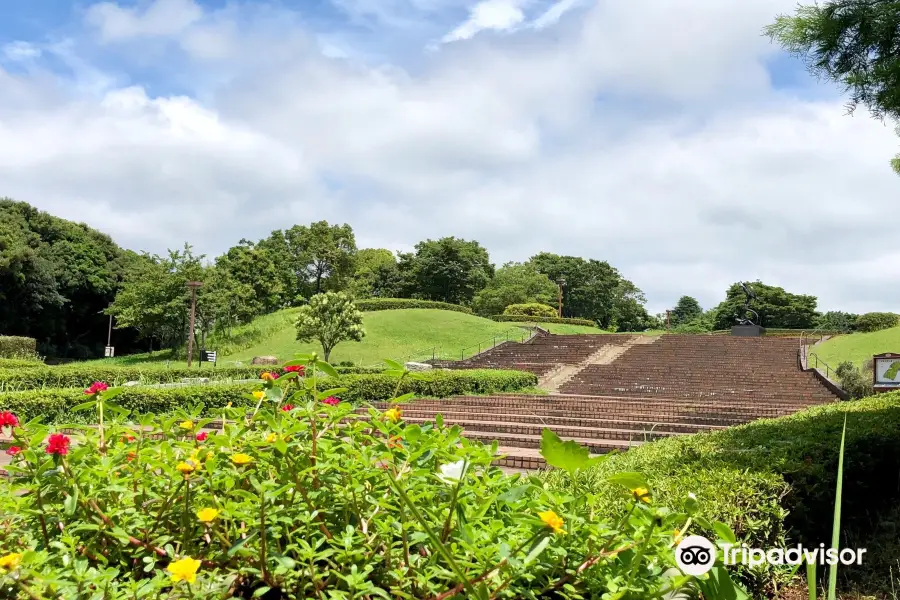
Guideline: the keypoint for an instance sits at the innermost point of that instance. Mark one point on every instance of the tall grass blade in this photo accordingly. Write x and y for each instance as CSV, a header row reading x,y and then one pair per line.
x,y
836,526
811,579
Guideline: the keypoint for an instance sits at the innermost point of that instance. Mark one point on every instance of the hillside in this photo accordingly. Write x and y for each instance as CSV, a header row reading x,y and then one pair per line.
x,y
858,347
403,334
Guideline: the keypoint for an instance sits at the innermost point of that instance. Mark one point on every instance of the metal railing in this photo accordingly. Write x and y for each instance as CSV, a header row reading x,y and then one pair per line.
x,y
819,364
483,345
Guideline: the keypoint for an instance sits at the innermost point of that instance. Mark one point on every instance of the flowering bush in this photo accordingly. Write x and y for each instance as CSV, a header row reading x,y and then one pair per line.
x,y
316,501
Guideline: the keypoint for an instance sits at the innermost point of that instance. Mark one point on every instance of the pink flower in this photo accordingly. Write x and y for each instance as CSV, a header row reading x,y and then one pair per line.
x,y
299,369
13,450
287,407
58,443
96,388
7,419
201,437
331,401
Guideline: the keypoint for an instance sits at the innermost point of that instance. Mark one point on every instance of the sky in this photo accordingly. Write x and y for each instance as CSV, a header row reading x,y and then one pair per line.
x,y
671,139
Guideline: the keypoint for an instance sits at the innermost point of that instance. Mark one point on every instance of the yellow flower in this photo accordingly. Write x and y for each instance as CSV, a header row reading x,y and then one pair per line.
x,y
267,377
186,467
677,535
552,520
259,394
186,425
10,561
393,414
241,459
207,515
228,405
184,570
271,437
642,494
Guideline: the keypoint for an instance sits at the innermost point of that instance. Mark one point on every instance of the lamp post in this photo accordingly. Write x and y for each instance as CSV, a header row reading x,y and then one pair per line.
x,y
668,319
193,285
560,282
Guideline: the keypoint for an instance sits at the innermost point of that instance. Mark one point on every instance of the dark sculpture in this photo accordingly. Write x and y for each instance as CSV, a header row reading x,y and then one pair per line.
x,y
749,295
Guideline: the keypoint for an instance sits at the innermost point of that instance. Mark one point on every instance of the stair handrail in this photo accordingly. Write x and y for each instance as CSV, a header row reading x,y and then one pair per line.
x,y
532,329
828,369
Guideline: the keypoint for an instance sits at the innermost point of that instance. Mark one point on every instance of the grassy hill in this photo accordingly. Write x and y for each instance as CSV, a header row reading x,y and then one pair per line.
x,y
405,334
858,347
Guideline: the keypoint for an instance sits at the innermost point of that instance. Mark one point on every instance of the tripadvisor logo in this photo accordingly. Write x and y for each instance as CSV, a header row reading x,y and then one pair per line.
x,y
696,555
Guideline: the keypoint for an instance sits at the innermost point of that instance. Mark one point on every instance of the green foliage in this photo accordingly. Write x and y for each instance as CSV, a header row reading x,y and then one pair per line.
x,y
852,43
687,310
376,304
837,321
54,405
230,340
19,363
293,503
531,310
776,308
17,347
876,321
853,381
377,274
312,259
771,481
595,291
524,319
330,319
449,269
514,283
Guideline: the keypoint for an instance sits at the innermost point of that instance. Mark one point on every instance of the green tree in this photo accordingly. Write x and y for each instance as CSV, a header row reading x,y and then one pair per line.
x,y
855,43
330,319
377,275
250,277
776,307
514,283
449,270
311,259
686,310
836,320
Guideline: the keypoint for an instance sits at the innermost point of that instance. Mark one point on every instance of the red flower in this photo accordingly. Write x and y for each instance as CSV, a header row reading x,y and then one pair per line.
x,y
7,419
58,443
331,401
299,369
287,407
96,388
127,438
13,450
131,456
201,437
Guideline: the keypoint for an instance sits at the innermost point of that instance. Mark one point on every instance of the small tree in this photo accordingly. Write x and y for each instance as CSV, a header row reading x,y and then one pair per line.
x,y
687,310
330,319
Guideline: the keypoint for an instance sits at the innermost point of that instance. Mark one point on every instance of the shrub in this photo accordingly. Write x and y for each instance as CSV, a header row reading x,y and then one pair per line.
x,y
876,321
533,309
55,405
19,363
853,381
522,319
771,480
374,304
17,347
330,318
312,501
81,376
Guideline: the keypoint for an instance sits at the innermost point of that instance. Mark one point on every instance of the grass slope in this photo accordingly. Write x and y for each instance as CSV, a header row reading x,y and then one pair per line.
x,y
858,347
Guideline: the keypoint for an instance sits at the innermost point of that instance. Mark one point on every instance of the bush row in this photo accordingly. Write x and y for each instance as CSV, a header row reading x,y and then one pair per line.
x,y
524,319
31,377
54,405
19,363
876,321
532,309
773,481
373,304
12,346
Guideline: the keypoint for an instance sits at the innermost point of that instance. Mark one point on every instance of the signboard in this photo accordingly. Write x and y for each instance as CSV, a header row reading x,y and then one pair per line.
x,y
109,352
208,356
886,371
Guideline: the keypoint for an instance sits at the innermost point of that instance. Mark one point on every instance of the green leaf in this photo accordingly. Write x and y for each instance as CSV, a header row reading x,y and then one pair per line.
x,y
566,455
240,543
115,408
84,406
811,579
439,420
403,398
412,433
630,481
71,503
537,548
393,364
331,392
286,377
111,393
724,532
514,494
836,524
261,591
327,369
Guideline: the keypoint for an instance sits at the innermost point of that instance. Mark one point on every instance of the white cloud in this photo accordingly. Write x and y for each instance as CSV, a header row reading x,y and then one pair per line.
x,y
555,13
498,15
159,18
21,51
664,150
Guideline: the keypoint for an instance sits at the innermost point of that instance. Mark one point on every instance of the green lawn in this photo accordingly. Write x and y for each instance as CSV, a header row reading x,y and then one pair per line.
x,y
858,347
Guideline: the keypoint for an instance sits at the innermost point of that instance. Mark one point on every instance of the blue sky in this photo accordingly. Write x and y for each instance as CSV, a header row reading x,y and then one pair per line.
x,y
671,139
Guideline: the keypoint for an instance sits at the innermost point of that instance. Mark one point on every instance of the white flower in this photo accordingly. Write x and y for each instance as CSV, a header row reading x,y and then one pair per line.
x,y
451,473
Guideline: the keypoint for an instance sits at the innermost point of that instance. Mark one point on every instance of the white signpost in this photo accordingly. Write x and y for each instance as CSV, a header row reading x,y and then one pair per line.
x,y
109,352
886,372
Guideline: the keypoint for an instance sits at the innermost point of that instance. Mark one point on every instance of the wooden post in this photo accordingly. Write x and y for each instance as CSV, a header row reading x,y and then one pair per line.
x,y
668,319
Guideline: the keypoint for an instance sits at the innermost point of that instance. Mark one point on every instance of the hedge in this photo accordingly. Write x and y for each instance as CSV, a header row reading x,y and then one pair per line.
x,y
531,309
373,304
54,405
19,363
773,480
522,319
17,347
876,321
74,375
